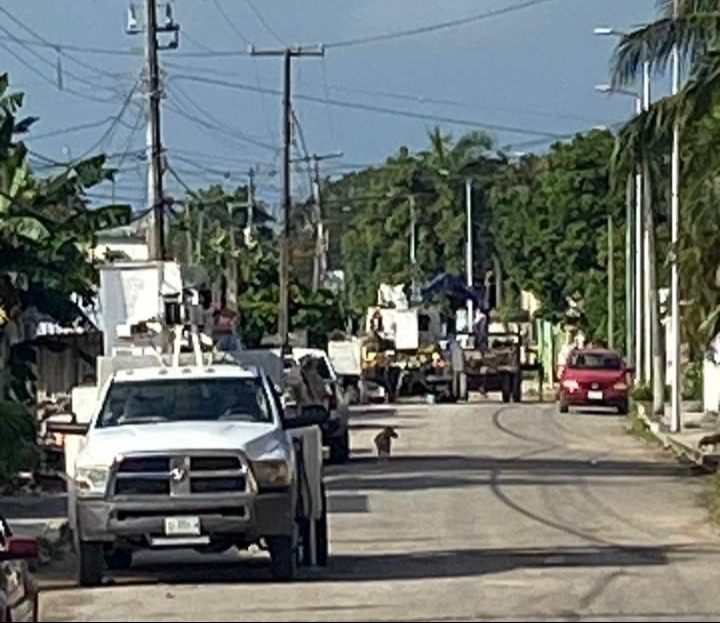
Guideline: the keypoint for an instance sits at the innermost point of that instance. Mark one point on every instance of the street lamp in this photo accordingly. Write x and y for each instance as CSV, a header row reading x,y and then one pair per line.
x,y
643,326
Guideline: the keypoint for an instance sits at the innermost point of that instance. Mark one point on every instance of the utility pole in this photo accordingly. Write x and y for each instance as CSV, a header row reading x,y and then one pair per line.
x,y
413,248
288,54
157,248
645,256
321,242
675,342
611,281
469,253
156,197
630,274
251,204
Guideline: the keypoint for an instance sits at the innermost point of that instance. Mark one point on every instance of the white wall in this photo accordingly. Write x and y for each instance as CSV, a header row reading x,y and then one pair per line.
x,y
711,384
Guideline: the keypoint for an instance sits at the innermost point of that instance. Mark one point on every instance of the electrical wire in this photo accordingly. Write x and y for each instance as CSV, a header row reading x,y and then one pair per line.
x,y
378,109
230,22
107,136
215,122
58,49
50,81
422,30
63,48
418,99
265,23
72,129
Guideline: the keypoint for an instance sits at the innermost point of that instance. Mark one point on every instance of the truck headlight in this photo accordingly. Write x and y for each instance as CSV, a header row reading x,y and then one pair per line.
x,y
272,474
91,481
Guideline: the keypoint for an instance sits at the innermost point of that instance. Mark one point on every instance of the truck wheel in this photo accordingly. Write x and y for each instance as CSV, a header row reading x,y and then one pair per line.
x,y
283,557
118,559
506,389
340,450
322,545
91,563
517,388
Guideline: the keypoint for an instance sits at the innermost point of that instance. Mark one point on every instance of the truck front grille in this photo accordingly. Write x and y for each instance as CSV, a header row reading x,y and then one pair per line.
x,y
180,475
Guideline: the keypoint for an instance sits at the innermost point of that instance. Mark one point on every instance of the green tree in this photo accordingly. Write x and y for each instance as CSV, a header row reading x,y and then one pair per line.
x,y
550,217
47,231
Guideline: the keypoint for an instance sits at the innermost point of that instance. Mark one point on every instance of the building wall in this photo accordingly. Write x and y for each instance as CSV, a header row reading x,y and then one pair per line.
x,y
60,364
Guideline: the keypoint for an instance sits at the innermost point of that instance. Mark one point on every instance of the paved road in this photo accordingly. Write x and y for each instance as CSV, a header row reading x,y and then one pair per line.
x,y
486,512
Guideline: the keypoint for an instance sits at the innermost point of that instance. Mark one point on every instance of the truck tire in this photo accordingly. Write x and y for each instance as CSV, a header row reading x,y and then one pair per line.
x,y
340,450
322,544
91,563
506,388
517,388
283,557
118,559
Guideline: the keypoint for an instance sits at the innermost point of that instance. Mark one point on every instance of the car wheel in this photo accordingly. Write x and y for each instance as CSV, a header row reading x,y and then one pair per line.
x,y
283,557
322,543
118,559
91,563
564,407
624,408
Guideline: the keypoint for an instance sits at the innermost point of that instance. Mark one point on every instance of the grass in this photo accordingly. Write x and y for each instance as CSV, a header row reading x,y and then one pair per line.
x,y
638,428
711,498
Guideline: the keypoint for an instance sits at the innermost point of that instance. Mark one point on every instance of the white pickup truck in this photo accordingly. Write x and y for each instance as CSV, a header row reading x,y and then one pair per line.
x,y
195,457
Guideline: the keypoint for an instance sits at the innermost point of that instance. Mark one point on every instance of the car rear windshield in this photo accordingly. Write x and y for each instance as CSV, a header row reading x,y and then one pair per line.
x,y
596,361
185,400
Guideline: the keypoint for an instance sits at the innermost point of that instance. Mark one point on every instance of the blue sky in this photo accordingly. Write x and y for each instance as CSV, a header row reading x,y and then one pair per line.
x,y
532,70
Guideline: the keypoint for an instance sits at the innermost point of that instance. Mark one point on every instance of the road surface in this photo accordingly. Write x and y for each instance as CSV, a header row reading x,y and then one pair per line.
x,y
485,512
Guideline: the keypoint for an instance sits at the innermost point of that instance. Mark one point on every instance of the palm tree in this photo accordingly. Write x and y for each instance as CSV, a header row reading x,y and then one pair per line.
x,y
647,139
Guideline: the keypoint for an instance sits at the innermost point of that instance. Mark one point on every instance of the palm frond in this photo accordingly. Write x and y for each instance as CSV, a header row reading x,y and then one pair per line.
x,y
688,7
695,34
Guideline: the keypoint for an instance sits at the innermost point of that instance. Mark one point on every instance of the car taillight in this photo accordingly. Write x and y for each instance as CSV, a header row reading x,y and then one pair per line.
x,y
571,385
620,386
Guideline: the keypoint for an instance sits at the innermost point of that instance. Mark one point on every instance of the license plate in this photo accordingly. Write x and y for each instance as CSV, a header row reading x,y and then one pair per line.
x,y
182,526
595,395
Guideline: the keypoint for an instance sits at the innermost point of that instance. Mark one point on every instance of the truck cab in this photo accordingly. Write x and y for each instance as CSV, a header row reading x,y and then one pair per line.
x,y
197,457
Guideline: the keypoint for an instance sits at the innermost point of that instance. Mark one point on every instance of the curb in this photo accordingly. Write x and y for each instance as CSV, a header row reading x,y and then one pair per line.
x,y
709,462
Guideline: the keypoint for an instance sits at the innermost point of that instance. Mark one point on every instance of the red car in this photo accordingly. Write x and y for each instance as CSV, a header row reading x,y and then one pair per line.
x,y
18,590
595,378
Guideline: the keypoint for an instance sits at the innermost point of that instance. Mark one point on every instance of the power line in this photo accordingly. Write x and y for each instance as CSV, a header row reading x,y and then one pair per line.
x,y
50,81
419,99
62,48
230,22
72,129
219,158
265,23
328,110
214,123
47,43
399,34
377,109
117,120
423,100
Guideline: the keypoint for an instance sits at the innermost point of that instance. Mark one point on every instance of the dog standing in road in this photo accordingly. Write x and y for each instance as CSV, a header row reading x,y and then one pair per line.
x,y
384,440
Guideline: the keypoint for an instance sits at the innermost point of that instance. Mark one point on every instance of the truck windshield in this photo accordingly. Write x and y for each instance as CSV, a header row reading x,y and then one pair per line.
x,y
185,400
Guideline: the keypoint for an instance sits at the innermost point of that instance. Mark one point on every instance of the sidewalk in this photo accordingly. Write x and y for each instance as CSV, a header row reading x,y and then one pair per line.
x,y
687,442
